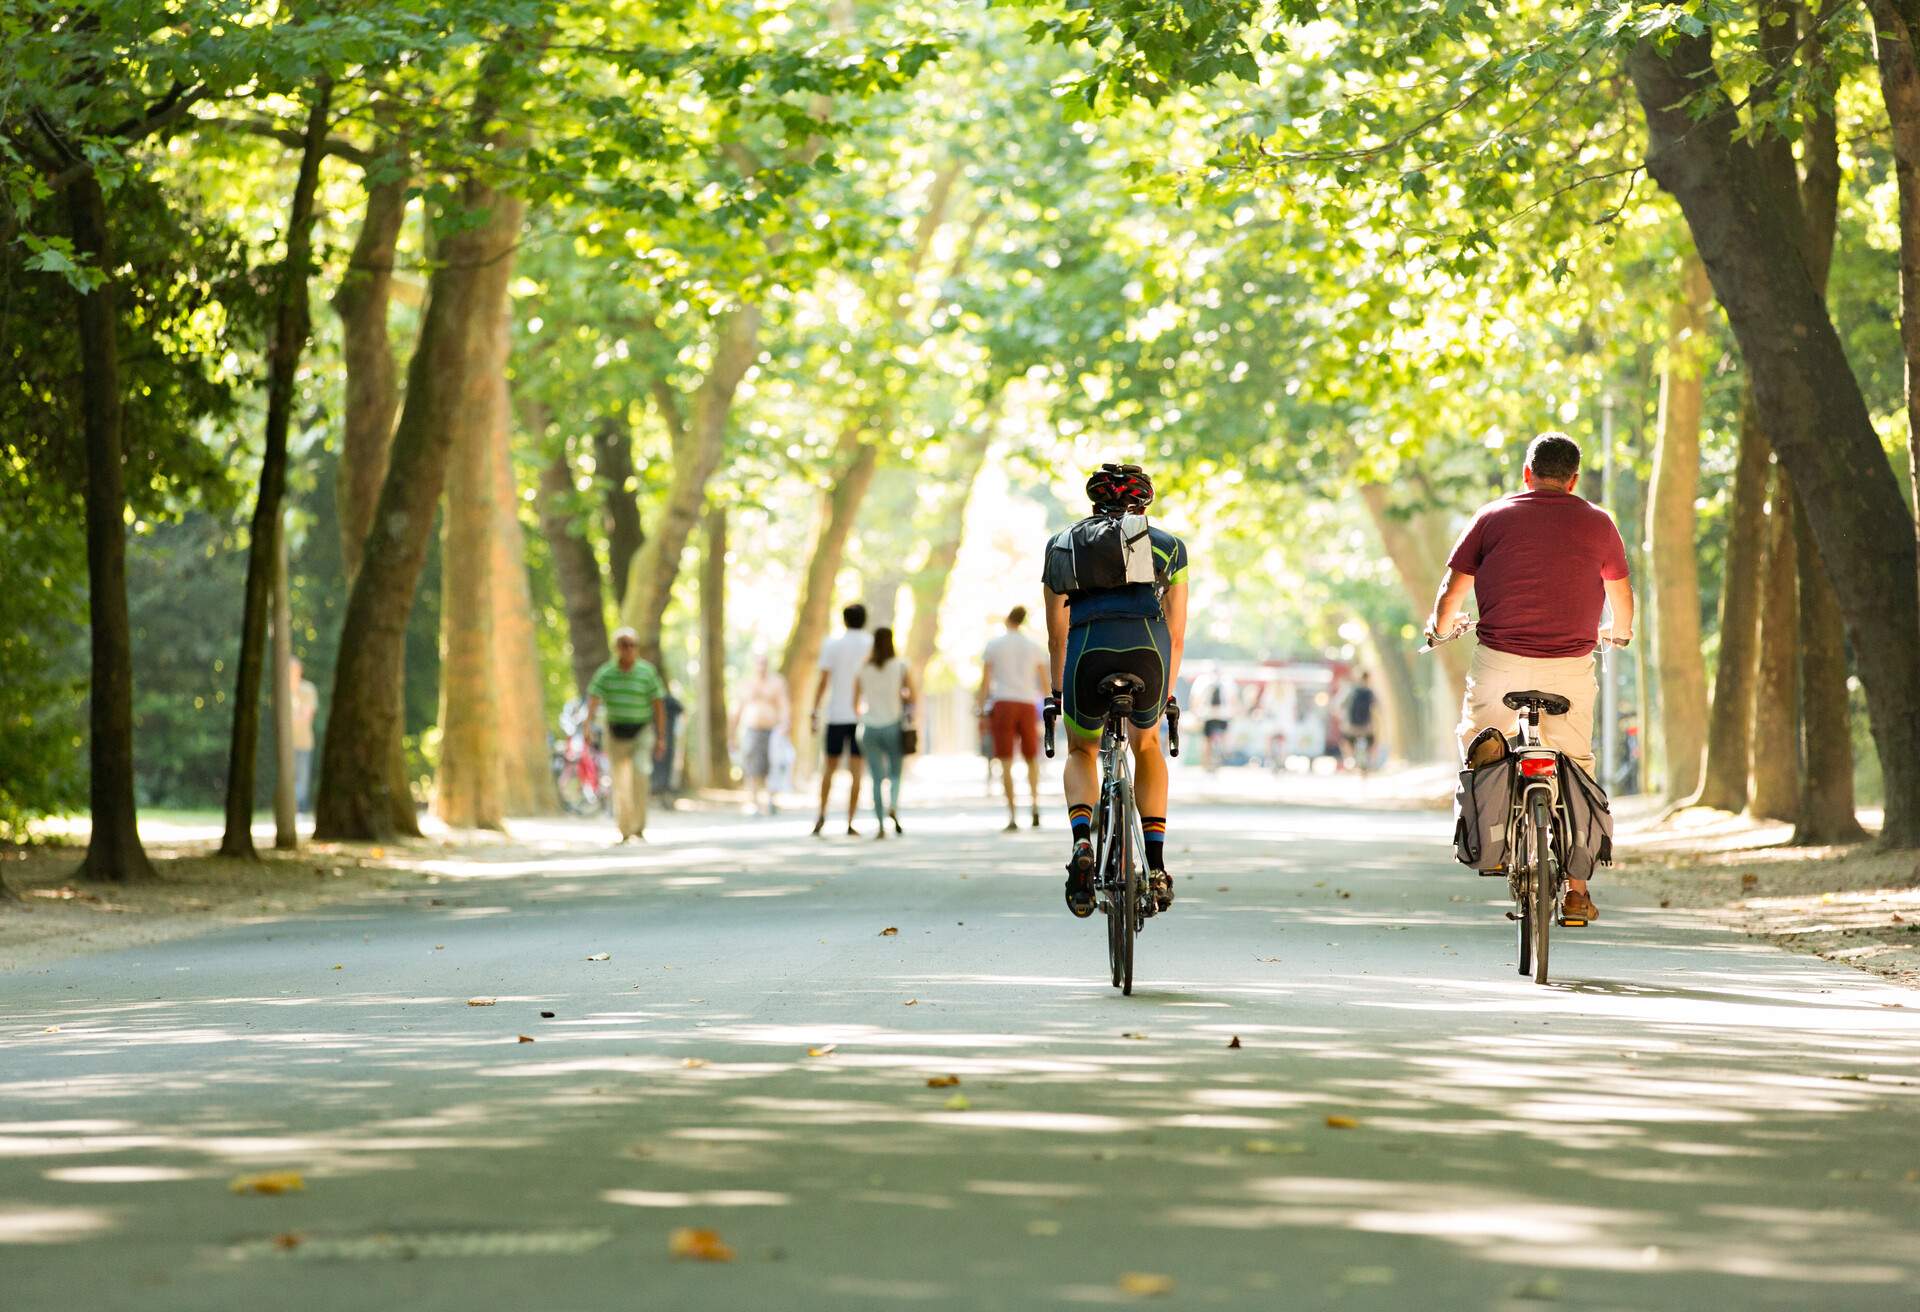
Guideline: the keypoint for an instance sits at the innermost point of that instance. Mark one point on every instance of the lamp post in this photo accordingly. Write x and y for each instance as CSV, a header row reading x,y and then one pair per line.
x,y
1609,696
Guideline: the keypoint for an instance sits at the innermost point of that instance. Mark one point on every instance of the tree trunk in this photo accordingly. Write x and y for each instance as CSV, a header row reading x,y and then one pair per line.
x,y
838,511
372,392
1816,416
525,765
1826,812
1729,765
697,448
468,789
1399,699
576,571
944,531
620,496
1409,541
113,845
1682,670
1776,703
286,801
713,653
287,342
359,796
1896,28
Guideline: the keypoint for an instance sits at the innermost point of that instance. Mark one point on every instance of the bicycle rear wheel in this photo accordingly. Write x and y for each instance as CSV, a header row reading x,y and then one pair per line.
x,y
1541,900
1129,919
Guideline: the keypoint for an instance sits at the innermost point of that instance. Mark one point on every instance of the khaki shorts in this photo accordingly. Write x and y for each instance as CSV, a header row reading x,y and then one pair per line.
x,y
1494,674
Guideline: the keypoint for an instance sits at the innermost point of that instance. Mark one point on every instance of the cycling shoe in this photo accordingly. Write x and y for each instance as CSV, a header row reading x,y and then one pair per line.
x,y
1080,880
1160,885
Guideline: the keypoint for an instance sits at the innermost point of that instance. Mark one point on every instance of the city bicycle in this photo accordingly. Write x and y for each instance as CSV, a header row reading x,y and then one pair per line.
x,y
1120,873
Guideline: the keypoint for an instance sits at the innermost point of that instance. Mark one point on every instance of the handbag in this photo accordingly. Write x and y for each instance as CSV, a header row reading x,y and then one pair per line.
x,y
909,740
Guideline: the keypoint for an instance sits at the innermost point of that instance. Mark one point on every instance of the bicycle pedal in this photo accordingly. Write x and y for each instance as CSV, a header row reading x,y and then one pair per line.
x,y
1513,915
1570,922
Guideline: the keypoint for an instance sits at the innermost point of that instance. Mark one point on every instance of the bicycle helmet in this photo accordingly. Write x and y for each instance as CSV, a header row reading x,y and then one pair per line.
x,y
1124,487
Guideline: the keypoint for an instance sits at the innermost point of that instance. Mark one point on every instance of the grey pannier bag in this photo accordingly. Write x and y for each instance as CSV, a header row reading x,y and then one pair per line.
x,y
1481,803
1100,552
1589,838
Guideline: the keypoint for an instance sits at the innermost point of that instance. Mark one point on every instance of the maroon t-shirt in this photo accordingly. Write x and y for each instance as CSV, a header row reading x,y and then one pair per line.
x,y
1537,559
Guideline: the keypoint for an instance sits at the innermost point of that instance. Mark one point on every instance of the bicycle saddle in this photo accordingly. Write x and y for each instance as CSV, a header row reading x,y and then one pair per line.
x,y
1551,703
1122,685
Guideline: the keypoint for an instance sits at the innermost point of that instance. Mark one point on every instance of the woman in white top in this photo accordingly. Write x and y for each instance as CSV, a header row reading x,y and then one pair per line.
x,y
884,690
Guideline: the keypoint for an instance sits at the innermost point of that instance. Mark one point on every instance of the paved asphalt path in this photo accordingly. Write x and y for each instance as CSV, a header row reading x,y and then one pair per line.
x,y
1687,1120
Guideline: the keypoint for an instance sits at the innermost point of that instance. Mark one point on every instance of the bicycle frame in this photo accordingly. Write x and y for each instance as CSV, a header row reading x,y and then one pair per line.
x,y
1535,880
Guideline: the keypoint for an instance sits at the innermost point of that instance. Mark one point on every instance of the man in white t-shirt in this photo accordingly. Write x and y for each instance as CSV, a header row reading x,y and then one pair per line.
x,y
1013,679
833,703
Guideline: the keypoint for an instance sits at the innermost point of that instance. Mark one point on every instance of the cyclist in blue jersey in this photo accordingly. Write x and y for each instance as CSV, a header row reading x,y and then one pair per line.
x,y
1137,628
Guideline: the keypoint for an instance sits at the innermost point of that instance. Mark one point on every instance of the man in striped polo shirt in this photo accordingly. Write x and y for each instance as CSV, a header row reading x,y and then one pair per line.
x,y
631,690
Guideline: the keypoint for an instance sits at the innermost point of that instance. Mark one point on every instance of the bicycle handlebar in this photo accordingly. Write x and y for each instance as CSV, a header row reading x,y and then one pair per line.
x,y
1051,717
1173,727
1435,640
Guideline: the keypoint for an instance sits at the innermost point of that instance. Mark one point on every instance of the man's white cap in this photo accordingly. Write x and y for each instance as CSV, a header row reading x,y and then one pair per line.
x,y
625,634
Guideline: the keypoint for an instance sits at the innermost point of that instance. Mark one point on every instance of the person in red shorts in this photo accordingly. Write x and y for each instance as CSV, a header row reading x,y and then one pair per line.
x,y
1541,564
1013,679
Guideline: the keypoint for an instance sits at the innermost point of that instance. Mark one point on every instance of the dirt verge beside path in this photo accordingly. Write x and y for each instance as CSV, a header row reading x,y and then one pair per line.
x,y
1855,905
57,916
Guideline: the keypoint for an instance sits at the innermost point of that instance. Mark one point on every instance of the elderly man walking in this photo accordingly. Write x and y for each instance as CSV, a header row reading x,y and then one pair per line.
x,y
632,692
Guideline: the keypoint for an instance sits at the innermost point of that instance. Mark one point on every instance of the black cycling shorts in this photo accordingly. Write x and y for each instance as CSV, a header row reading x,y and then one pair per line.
x,y
1110,646
843,740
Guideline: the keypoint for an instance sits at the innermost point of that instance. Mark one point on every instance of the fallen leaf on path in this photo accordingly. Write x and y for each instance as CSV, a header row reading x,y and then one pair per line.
x,y
439,947
889,931
1342,1123
1131,1034
1142,1284
693,1063
822,1050
481,1002
1221,889
911,1002
699,1245
269,1182
1234,1042
51,1029
526,1038
546,1015
601,956
339,967
377,853
958,1103
1852,1075
943,1081
1750,880
1345,893
288,1240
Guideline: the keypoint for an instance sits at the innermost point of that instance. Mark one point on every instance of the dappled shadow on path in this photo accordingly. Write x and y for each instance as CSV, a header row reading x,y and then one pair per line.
x,y
1405,1122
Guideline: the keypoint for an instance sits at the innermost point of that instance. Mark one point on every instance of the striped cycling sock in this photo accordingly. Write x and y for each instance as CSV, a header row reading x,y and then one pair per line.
x,y
1081,818
1154,829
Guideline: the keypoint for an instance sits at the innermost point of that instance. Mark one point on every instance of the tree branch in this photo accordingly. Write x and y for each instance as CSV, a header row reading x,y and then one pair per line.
x,y
338,147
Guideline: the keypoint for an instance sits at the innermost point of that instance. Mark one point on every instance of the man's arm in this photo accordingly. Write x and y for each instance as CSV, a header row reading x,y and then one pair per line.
x,y
1620,601
819,694
1446,605
1056,606
659,728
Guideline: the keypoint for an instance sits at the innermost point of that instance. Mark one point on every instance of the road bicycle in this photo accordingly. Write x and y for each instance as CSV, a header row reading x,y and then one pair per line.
x,y
1120,873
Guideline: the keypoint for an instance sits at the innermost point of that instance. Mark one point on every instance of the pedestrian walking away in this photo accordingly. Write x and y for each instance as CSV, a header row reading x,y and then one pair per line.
x,y
631,691
1356,718
306,704
883,690
834,711
763,708
1213,701
1013,680
1541,564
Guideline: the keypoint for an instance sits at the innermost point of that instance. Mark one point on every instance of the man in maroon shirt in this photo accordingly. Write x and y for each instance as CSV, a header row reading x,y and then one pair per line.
x,y
1540,563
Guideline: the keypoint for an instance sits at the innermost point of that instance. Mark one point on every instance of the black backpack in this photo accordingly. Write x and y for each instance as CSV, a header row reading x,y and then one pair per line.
x,y
1103,552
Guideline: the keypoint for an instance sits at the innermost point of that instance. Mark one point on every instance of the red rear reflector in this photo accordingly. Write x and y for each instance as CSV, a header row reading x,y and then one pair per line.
x,y
1538,765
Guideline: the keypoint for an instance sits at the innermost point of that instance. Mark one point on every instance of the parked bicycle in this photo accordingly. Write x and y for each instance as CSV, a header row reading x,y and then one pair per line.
x,y
581,774
1120,874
